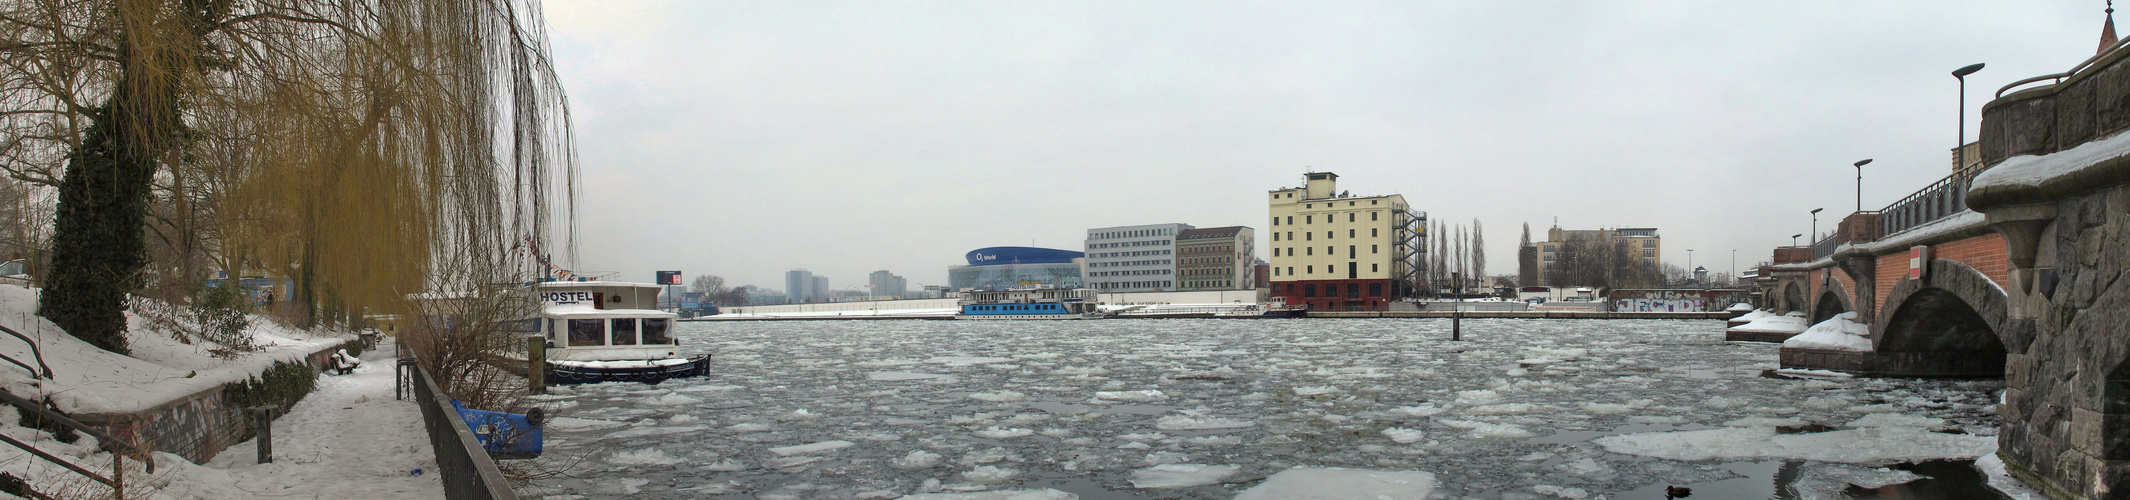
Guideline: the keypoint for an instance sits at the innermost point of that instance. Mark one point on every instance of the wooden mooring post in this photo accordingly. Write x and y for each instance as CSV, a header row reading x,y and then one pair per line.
x,y
536,364
264,416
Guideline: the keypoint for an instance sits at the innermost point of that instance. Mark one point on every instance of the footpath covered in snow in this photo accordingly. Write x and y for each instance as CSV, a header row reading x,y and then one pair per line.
x,y
348,439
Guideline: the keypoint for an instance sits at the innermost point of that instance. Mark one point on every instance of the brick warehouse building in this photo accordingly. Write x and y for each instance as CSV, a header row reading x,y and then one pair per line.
x,y
1335,252
1216,258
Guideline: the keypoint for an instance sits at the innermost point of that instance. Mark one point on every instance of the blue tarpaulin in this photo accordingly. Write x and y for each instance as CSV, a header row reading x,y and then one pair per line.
x,y
503,435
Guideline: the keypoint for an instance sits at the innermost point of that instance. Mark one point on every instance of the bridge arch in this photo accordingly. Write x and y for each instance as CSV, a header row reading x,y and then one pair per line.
x,y
1949,324
1833,299
1793,297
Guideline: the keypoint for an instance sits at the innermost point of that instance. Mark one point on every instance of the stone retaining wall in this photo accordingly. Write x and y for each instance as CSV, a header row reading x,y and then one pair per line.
x,y
196,426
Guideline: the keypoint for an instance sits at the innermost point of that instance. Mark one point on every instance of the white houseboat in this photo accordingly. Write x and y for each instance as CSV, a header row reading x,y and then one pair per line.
x,y
599,331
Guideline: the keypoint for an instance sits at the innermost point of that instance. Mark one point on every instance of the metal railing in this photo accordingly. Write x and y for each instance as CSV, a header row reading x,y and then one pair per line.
x,y
2059,77
118,449
1826,246
1941,199
468,471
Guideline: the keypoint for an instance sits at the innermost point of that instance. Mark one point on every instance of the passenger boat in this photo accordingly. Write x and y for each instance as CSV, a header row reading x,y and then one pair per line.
x,y
1036,302
602,331
1264,311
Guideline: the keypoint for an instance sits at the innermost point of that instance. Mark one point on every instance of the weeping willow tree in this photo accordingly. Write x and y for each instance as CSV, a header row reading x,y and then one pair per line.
x,y
368,150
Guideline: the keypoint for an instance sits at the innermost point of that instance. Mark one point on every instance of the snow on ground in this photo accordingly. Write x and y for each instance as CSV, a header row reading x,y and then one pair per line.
x,y
1773,324
1840,333
1100,408
91,380
348,439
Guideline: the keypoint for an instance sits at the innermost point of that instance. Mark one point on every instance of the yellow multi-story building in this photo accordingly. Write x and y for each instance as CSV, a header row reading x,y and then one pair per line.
x,y
1334,251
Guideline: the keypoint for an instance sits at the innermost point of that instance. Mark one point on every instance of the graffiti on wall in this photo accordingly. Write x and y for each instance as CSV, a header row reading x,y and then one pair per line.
x,y
1689,300
1659,305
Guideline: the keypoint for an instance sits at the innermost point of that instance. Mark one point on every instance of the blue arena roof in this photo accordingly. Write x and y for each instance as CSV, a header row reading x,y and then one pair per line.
x,y
1021,255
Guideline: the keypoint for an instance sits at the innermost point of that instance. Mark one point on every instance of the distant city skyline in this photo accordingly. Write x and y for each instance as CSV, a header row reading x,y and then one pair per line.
x,y
747,139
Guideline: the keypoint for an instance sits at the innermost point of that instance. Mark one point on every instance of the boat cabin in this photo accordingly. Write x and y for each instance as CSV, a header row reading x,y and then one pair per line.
x,y
599,320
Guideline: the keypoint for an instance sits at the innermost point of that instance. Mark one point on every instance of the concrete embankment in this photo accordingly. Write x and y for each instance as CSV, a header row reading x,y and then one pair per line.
x,y
1522,314
1317,314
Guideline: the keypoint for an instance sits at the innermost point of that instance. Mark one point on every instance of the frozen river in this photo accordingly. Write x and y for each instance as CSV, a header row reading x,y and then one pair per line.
x,y
1521,409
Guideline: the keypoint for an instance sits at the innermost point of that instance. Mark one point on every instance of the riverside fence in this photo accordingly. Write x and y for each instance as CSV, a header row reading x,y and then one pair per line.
x,y
469,473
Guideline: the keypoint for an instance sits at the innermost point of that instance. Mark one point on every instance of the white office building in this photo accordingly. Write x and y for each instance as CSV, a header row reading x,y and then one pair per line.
x,y
1132,258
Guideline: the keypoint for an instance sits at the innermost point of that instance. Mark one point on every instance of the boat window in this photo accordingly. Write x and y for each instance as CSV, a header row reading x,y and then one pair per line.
x,y
654,331
586,332
624,331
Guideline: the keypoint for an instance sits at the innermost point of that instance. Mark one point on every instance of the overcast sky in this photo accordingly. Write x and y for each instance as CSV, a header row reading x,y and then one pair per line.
x,y
745,139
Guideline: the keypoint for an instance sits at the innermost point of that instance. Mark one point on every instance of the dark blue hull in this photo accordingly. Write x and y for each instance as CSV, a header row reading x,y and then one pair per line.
x,y
562,375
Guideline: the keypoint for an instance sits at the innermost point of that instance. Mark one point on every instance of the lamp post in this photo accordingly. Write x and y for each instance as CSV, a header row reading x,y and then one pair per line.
x,y
1734,266
1793,239
1860,184
1815,224
1960,143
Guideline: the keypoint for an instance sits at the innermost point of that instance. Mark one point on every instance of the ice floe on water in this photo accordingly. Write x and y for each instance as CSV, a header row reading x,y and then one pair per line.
x,y
1863,445
1326,483
1365,408
1180,475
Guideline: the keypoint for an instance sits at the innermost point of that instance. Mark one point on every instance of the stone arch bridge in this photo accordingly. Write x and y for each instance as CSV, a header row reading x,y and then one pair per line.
x,y
2012,267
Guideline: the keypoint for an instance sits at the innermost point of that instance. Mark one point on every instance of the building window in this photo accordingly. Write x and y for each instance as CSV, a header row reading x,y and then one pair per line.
x,y
1375,289
1311,250
1308,290
1275,235
1290,270
1331,250
1350,253
1309,236
1374,248
1372,232
1327,234
1275,251
1275,221
1372,215
1372,202
1349,215
1350,233
1290,220
1310,269
1353,290
1373,268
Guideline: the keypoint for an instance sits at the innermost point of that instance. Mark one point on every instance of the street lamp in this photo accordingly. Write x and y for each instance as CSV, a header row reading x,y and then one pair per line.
x,y
1815,224
1960,143
1860,184
1793,239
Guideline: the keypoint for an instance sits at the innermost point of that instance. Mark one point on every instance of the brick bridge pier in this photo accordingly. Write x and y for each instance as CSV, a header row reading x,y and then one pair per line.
x,y
2023,278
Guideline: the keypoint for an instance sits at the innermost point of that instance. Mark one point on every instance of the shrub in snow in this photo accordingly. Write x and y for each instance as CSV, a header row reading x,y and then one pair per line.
x,y
217,315
281,386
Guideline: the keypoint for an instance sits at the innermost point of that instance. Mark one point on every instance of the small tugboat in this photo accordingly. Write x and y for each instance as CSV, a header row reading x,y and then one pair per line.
x,y
1029,302
602,331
